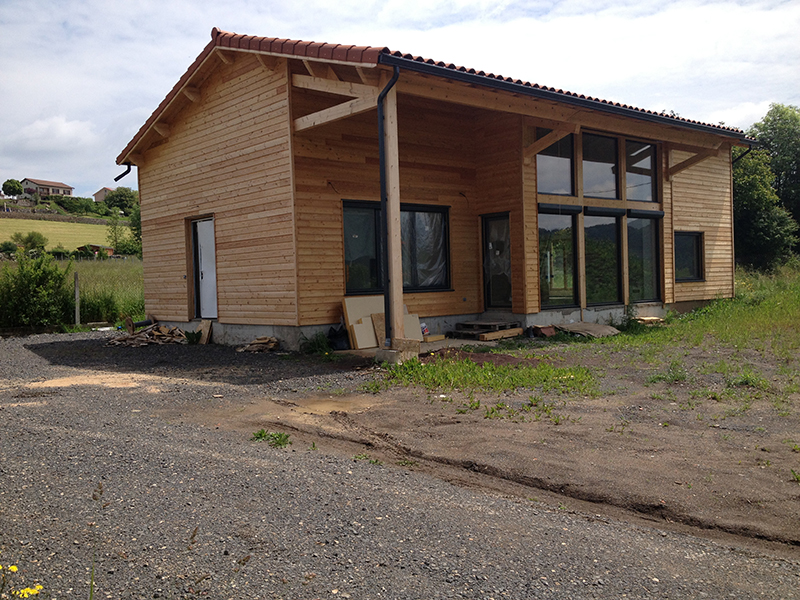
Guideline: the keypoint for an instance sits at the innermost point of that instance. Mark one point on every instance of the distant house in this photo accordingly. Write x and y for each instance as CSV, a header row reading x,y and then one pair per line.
x,y
96,249
267,173
46,188
101,194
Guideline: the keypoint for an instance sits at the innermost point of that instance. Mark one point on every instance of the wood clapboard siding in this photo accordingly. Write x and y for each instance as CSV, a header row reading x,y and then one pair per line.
x,y
701,201
530,199
228,155
500,190
339,161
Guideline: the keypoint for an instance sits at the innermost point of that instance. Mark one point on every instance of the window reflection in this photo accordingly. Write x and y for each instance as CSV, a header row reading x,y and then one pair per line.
x,y
602,260
557,260
643,268
599,166
554,166
639,171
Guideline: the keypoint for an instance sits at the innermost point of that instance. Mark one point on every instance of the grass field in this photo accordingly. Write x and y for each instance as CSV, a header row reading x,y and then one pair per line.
x,y
69,235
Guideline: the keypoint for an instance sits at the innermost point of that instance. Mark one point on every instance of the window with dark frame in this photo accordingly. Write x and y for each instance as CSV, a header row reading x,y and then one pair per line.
x,y
554,166
603,259
600,166
688,256
644,272
640,171
558,284
425,247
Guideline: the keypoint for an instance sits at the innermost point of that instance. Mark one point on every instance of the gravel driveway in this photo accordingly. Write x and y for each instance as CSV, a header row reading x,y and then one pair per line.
x,y
184,511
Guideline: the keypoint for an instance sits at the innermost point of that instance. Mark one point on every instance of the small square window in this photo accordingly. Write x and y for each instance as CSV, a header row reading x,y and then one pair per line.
x,y
688,256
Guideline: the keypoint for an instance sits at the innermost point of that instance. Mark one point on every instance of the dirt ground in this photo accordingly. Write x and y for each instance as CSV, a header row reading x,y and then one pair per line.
x,y
703,454
707,446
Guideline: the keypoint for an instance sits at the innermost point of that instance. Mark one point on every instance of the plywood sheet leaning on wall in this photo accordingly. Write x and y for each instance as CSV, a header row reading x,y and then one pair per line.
x,y
364,320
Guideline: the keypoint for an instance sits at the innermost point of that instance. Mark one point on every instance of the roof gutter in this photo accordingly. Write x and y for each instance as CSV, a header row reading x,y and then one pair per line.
x,y
505,85
387,305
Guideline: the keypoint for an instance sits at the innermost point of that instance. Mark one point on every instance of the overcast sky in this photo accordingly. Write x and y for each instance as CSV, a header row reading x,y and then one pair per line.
x,y
79,77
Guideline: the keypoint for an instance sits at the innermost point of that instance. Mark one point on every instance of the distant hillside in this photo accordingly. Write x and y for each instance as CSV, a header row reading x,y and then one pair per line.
x,y
69,231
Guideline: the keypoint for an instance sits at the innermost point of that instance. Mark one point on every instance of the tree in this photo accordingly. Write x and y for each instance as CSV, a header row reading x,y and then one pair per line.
x,y
33,240
779,134
122,198
12,187
765,231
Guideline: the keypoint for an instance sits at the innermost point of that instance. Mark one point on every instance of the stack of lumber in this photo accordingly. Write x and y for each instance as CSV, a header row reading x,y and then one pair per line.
x,y
261,344
365,321
154,334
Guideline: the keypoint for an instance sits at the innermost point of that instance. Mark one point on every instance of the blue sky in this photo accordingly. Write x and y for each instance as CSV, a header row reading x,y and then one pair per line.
x,y
79,77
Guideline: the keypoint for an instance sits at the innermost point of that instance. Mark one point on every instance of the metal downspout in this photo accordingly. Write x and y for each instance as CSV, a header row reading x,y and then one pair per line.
x,y
387,305
127,170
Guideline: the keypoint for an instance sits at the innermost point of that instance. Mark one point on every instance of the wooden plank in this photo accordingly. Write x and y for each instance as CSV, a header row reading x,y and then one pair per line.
x,y
342,88
334,113
498,335
205,331
394,242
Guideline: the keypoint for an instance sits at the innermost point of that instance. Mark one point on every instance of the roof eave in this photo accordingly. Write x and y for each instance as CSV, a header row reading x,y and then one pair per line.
x,y
439,70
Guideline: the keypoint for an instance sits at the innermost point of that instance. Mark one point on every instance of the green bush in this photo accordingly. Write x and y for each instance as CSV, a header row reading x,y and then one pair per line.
x,y
99,305
33,292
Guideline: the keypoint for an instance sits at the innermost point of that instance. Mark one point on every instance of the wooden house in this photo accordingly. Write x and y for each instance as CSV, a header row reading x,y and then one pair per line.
x,y
278,177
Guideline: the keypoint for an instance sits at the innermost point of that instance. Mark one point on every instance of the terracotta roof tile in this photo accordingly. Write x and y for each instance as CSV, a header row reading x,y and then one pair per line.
x,y
370,55
49,183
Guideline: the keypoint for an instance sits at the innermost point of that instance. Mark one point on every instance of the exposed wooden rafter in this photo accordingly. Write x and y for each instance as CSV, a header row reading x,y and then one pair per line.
x,y
161,128
226,57
268,62
192,93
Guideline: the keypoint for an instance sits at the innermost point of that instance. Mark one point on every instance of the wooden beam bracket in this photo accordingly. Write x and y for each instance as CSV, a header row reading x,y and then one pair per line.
x,y
547,141
335,113
268,62
699,157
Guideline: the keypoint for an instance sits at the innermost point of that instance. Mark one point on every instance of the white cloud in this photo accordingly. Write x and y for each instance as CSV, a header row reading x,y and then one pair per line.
x,y
81,76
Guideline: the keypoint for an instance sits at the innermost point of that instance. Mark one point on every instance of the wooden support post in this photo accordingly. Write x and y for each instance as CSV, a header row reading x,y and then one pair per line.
x,y
394,249
77,301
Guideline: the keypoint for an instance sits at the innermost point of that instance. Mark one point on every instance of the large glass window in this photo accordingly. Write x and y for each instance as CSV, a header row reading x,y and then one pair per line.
x,y
688,256
643,266
599,166
640,172
361,249
601,236
557,260
424,238
554,166
424,235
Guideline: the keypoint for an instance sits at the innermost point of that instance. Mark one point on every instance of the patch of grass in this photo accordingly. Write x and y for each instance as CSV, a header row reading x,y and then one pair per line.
x,y
796,475
675,373
276,439
406,462
450,374
748,378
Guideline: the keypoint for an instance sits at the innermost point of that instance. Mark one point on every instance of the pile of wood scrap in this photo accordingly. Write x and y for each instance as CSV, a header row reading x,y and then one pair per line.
x,y
154,334
366,322
261,344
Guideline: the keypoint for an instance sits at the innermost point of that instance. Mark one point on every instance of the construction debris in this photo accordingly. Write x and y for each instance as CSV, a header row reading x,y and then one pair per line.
x,y
154,334
595,330
261,344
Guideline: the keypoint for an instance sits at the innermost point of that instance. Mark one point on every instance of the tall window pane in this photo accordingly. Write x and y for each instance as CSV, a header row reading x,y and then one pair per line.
x,y
557,260
601,235
361,263
424,249
554,166
640,171
599,166
643,267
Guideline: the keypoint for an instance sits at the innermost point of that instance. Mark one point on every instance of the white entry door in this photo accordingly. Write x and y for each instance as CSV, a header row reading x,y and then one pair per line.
x,y
205,270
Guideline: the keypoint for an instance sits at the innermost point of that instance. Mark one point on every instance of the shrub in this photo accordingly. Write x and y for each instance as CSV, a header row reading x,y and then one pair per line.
x,y
34,293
